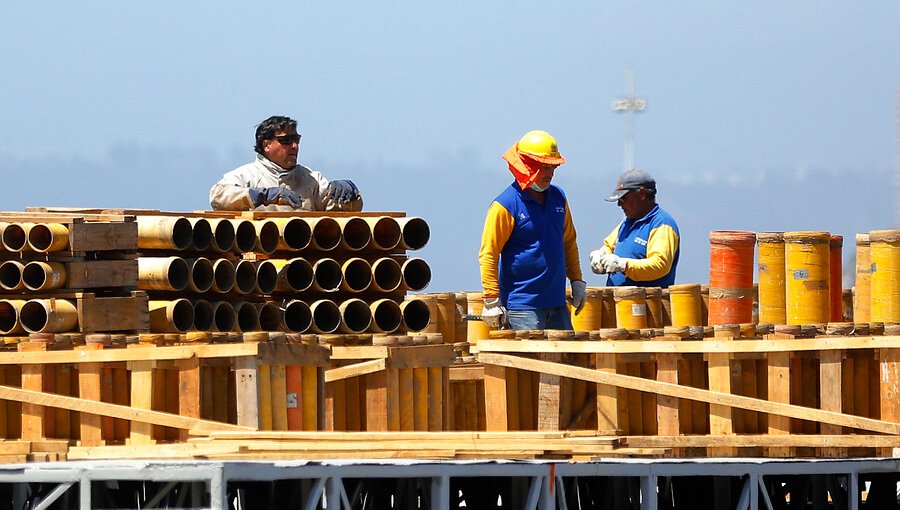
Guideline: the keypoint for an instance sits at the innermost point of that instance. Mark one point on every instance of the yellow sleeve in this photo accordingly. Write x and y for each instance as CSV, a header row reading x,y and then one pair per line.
x,y
573,265
498,226
610,241
661,248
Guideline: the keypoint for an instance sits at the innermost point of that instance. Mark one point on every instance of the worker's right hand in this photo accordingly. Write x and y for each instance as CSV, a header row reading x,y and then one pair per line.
x,y
275,196
494,314
597,261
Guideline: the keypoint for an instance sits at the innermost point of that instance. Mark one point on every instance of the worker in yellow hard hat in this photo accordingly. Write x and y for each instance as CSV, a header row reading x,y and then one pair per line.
x,y
528,246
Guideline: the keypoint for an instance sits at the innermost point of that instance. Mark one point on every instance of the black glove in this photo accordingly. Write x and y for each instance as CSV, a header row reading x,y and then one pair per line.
x,y
275,196
342,191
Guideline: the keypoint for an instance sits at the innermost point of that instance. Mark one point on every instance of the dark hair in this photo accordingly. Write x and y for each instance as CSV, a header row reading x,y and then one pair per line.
x,y
267,128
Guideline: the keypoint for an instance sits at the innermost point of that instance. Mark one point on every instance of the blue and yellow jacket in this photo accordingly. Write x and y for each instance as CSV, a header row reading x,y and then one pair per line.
x,y
652,242
534,247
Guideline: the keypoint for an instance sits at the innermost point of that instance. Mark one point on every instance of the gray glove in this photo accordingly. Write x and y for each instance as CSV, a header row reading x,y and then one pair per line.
x,y
275,196
342,191
613,263
494,314
597,261
579,294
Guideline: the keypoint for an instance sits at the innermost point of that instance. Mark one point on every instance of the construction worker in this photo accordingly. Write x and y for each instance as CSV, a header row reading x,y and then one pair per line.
x,y
530,236
643,249
276,182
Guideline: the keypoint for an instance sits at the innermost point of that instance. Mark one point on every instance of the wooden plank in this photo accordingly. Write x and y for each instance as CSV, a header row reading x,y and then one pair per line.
x,y
33,380
120,395
466,372
103,236
435,398
512,405
132,414
142,385
689,346
406,400
312,379
91,274
355,370
113,355
293,386
495,397
779,378
667,408
89,389
708,396
830,396
607,395
393,399
420,398
437,355
247,392
113,313
548,395
292,354
189,390
829,442
890,384
376,401
354,404
222,384
264,394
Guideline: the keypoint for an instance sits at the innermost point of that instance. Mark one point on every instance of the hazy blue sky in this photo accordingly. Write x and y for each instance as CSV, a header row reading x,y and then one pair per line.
x,y
764,115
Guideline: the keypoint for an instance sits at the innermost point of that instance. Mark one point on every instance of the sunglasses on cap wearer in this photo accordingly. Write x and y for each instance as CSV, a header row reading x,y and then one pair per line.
x,y
288,139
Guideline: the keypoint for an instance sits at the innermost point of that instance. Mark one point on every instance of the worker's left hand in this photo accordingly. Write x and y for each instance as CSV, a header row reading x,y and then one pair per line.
x,y
597,261
613,263
342,191
579,293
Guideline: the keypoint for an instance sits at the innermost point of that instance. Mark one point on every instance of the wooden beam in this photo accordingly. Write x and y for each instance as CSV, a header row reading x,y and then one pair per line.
x,y
688,346
675,390
114,410
111,355
355,370
763,440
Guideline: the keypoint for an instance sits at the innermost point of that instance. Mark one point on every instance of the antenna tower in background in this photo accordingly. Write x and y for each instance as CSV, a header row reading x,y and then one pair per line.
x,y
629,104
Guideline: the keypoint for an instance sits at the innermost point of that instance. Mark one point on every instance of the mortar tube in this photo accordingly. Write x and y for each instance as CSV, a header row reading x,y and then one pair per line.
x,y
175,316
297,316
387,275
357,275
244,235
15,237
416,315
326,316
271,318
415,233
267,236
222,235
245,277
203,315
266,276
201,274
3,225
224,316
356,316
10,310
49,316
326,233
328,276
355,233
164,232
247,316
201,234
37,275
163,273
11,275
416,274
386,316
223,276
294,233
386,232
294,275
48,237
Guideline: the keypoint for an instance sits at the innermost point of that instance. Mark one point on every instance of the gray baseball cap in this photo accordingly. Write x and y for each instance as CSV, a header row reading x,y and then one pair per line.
x,y
631,180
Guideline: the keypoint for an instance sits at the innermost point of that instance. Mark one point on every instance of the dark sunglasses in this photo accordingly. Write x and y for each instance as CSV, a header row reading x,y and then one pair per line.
x,y
288,139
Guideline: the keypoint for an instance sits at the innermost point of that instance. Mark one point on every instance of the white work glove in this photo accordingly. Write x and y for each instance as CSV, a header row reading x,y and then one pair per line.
x,y
494,314
579,288
613,263
597,257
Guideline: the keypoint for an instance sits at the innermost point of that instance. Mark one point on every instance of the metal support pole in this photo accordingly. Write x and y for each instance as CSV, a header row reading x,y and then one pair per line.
x,y
58,491
85,494
440,493
853,491
648,493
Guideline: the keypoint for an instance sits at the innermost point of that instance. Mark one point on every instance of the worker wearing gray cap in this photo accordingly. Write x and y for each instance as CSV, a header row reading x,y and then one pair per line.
x,y
643,249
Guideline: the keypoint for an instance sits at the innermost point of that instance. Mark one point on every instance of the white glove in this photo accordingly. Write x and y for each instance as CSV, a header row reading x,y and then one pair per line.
x,y
613,263
579,288
597,261
494,314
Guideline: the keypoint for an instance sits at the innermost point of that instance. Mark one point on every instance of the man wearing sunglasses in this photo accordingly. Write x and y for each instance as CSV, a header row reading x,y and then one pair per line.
x,y
643,250
276,182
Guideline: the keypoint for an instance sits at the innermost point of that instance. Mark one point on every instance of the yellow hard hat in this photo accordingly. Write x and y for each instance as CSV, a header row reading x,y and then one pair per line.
x,y
540,146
